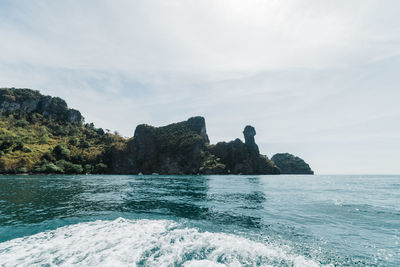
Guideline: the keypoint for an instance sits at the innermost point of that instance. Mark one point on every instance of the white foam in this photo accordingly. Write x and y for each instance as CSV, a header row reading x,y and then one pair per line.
x,y
142,242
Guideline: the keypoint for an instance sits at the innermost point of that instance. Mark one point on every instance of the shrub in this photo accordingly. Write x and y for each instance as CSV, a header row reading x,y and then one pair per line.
x,y
84,144
69,167
21,123
61,152
100,168
21,170
18,146
26,149
49,167
47,156
73,141
6,141
88,168
43,140
100,131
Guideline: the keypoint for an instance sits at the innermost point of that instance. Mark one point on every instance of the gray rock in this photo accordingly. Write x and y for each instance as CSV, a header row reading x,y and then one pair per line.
x,y
27,101
249,132
290,164
172,149
244,158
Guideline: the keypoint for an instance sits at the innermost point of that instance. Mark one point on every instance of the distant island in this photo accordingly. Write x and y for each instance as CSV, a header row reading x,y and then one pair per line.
x,y
40,134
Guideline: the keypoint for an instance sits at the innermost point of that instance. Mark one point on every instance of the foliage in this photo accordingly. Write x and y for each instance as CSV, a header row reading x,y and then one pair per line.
x,y
69,167
175,138
61,152
38,144
211,163
21,123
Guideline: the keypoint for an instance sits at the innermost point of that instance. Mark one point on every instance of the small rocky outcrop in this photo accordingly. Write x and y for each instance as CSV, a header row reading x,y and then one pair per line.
x,y
290,164
27,101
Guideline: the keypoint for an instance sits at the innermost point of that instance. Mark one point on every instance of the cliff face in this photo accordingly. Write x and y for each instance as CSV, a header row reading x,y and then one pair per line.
x,y
173,149
26,101
289,164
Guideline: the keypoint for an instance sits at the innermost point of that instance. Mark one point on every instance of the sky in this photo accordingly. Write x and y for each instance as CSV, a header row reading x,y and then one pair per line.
x,y
318,79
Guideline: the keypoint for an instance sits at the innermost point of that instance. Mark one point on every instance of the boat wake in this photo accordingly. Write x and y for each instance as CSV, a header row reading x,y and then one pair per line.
x,y
123,242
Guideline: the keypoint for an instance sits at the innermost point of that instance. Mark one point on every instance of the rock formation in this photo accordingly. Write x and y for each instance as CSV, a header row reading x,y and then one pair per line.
x,y
244,158
173,149
27,101
289,164
183,148
41,134
249,132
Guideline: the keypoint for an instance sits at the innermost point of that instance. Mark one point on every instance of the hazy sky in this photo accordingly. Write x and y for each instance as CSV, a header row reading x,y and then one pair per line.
x,y
319,79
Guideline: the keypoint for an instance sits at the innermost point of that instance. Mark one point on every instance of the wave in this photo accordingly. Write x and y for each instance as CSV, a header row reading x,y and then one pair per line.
x,y
123,242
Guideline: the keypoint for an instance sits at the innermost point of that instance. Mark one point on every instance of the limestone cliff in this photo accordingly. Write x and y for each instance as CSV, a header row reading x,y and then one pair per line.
x,y
27,101
173,149
183,148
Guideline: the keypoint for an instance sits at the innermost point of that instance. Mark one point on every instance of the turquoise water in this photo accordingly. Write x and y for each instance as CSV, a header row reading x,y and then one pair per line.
x,y
122,220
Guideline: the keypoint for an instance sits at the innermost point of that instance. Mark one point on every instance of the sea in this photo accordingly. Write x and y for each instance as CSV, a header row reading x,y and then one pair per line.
x,y
211,220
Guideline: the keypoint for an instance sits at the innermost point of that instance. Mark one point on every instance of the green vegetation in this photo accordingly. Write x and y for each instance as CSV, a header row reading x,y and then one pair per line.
x,y
211,164
175,138
38,144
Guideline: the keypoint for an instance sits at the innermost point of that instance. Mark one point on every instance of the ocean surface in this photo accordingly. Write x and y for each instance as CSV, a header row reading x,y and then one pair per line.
x,y
126,220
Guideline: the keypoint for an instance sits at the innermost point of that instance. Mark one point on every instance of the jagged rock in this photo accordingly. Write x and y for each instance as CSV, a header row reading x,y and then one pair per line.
x,y
249,132
242,157
27,101
198,125
74,116
290,164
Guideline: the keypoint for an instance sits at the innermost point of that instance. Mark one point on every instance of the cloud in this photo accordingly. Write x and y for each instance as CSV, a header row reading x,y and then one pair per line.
x,y
198,35
312,76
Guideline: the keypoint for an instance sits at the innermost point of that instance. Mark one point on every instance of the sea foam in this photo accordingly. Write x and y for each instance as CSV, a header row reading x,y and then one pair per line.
x,y
123,242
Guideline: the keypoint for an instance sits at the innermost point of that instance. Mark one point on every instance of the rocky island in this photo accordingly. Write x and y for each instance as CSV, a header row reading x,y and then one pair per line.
x,y
290,164
40,134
